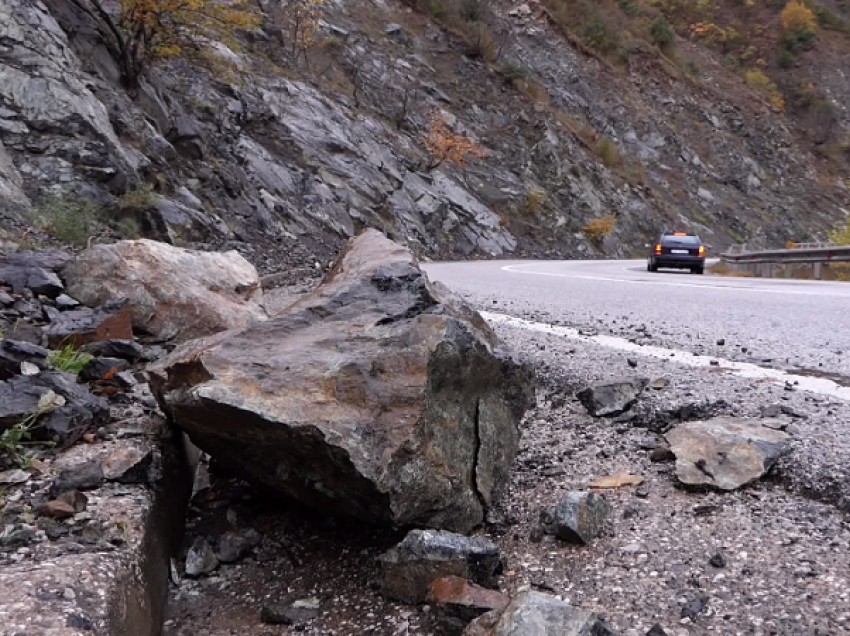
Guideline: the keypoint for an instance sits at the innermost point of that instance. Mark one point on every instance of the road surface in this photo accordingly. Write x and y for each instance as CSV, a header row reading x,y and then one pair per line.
x,y
798,326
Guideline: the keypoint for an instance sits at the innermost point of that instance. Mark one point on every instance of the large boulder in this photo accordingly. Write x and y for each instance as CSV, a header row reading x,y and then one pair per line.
x,y
379,395
725,452
173,293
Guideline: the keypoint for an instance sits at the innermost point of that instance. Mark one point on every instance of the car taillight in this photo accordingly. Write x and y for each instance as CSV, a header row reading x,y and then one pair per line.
x,y
702,250
658,248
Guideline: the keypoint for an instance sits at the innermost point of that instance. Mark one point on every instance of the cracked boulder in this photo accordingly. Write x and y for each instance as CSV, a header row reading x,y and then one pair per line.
x,y
725,452
173,293
379,395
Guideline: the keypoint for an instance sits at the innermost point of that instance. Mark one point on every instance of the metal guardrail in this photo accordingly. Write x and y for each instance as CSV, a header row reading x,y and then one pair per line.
x,y
801,253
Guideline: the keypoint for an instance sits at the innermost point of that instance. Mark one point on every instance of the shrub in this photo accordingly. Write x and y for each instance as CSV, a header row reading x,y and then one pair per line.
x,y
661,32
70,219
511,71
68,359
473,10
608,152
437,9
797,17
534,200
787,59
763,85
598,35
597,229
481,43
445,145
138,199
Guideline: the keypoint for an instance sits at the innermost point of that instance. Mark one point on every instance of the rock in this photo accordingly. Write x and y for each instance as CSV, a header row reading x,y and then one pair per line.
x,y
128,464
74,498
78,327
632,362
21,397
129,350
99,368
536,614
578,518
408,569
662,454
5,298
83,476
64,301
457,602
14,352
656,630
201,559
611,398
294,613
57,509
659,383
775,410
721,342
22,273
725,452
234,546
393,28
16,535
400,405
173,293
693,607
14,477
717,560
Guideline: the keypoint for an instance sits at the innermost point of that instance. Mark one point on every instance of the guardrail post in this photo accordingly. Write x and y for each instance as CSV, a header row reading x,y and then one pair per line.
x,y
818,271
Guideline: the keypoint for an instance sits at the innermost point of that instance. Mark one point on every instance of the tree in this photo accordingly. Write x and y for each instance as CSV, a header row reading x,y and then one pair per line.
x,y
138,32
445,145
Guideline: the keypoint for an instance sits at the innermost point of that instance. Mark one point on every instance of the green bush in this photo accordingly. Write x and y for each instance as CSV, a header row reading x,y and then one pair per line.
x,y
138,199
598,35
798,41
608,152
787,59
662,33
473,10
511,71
438,9
71,219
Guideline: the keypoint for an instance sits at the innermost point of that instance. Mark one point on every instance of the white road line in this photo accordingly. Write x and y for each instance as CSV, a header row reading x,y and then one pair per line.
x,y
758,290
742,369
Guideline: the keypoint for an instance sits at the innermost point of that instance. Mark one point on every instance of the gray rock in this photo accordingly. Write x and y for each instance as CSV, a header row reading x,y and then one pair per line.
x,y
83,476
725,452
536,614
457,602
5,298
408,569
294,613
128,464
612,398
98,368
717,560
400,408
234,546
21,277
64,301
201,559
78,327
694,607
14,477
656,630
14,352
578,518
17,535
129,350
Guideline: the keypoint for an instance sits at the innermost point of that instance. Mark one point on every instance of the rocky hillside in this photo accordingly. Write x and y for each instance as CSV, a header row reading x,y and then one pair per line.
x,y
462,129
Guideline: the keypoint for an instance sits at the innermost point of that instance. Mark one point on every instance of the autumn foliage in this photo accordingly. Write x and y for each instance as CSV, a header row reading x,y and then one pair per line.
x,y
142,31
446,145
796,17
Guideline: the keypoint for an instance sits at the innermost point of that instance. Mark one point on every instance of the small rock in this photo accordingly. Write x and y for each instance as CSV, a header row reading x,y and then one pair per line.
x,y
721,342
125,349
656,630
659,383
717,560
725,452
578,518
64,301
17,535
693,607
632,363
409,568
14,477
100,368
6,299
74,498
128,464
611,398
294,613
393,28
662,454
82,326
234,546
642,492
84,476
200,559
457,602
57,509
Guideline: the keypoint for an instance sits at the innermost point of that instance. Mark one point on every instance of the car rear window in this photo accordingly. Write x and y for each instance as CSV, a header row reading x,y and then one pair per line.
x,y
679,240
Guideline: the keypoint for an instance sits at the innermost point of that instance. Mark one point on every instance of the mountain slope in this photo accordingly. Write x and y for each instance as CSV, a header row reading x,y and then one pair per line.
x,y
584,152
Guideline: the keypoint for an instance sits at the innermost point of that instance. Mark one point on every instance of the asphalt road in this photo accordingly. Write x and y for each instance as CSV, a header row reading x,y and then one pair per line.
x,y
775,323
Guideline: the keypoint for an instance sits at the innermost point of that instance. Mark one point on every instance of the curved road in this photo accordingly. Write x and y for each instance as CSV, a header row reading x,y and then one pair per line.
x,y
776,323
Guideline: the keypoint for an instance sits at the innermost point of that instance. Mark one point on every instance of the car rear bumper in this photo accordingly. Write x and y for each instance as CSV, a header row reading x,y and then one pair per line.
x,y
679,262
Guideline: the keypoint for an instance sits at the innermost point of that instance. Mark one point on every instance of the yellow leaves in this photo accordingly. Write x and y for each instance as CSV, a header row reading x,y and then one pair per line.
x,y
445,145
762,83
597,229
796,17
618,480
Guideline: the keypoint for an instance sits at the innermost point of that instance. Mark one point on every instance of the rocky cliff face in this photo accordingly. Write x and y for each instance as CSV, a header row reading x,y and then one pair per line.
x,y
291,158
